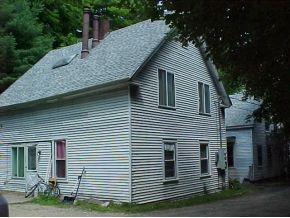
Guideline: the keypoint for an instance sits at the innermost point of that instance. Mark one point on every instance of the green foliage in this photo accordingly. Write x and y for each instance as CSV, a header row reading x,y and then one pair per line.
x,y
235,184
22,42
249,42
46,200
137,208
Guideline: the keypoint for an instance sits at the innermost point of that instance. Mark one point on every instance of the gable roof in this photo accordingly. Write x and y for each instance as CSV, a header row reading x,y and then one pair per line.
x,y
117,57
238,115
114,60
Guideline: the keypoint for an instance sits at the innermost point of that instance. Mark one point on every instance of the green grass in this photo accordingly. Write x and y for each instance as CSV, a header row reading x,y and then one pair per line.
x,y
139,208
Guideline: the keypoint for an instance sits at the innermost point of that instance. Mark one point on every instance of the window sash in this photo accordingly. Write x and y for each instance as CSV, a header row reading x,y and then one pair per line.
x,y
60,159
204,98
166,88
18,162
170,160
204,159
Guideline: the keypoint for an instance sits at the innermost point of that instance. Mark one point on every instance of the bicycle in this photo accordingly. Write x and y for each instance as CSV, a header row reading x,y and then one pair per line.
x,y
50,189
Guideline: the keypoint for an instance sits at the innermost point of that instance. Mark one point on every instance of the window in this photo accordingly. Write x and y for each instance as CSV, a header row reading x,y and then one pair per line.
x,y
204,159
166,88
204,98
18,161
230,150
60,159
260,155
31,158
169,160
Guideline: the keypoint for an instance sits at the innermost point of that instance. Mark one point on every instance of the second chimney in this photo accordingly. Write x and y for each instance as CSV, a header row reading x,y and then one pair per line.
x,y
85,41
96,30
104,28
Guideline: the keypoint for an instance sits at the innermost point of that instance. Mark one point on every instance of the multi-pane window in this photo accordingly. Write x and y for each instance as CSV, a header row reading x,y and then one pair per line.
x,y
204,159
60,159
204,98
31,159
260,155
166,88
18,161
169,160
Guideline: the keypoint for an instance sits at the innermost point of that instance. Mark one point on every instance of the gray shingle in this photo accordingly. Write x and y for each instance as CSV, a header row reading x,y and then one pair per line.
x,y
117,57
237,114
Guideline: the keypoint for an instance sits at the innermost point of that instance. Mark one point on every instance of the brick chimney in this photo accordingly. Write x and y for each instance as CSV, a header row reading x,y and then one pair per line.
x,y
96,31
85,41
104,28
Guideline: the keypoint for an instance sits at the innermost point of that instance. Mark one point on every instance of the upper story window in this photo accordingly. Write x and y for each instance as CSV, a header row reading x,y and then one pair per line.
x,y
166,88
204,98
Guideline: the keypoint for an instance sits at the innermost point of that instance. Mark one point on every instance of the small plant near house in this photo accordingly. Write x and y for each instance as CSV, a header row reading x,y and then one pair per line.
x,y
235,184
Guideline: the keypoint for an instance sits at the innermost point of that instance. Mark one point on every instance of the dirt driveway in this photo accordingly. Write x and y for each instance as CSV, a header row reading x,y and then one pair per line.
x,y
266,199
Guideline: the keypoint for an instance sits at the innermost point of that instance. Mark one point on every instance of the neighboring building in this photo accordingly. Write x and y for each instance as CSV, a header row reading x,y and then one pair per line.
x,y
139,112
253,153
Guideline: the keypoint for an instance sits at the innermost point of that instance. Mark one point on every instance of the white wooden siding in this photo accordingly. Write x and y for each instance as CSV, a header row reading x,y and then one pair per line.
x,y
97,133
151,124
243,154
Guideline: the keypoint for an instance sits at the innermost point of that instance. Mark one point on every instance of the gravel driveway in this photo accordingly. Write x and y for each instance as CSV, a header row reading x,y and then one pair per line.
x,y
266,199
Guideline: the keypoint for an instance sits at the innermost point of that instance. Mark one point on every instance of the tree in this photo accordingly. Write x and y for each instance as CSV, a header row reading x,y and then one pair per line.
x,y
21,40
249,41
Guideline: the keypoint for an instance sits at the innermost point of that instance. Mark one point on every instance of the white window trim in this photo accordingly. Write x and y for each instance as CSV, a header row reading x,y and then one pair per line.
x,y
208,158
166,106
17,147
26,154
172,141
203,96
54,159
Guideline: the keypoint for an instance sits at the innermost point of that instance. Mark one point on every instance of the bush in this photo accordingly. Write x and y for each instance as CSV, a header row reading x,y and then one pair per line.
x,y
234,184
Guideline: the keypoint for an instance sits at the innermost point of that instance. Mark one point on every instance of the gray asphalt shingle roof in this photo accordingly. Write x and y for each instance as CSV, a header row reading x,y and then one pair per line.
x,y
237,115
116,58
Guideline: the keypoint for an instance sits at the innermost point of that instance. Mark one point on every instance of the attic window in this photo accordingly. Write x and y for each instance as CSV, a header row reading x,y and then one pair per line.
x,y
64,61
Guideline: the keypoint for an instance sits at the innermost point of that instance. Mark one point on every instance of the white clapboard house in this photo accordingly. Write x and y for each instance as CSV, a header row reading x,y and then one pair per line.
x,y
141,113
255,151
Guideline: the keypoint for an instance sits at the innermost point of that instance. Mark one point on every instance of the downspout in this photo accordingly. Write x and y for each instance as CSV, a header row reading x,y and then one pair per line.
x,y
130,145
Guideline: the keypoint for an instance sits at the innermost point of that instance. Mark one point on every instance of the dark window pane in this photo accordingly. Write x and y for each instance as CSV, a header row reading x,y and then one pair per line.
x,y
169,155
20,162
200,95
32,158
204,166
60,168
203,151
162,87
206,99
169,169
230,152
171,89
14,161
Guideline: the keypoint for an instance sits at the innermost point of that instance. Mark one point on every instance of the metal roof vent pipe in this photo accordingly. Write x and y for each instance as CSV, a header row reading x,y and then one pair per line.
x,y
96,25
104,27
85,39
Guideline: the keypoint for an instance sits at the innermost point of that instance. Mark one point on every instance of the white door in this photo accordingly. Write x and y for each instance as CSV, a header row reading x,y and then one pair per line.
x,y
31,162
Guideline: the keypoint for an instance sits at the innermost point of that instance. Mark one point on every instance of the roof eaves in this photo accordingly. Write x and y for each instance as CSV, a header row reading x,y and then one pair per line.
x,y
226,101
70,95
148,58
